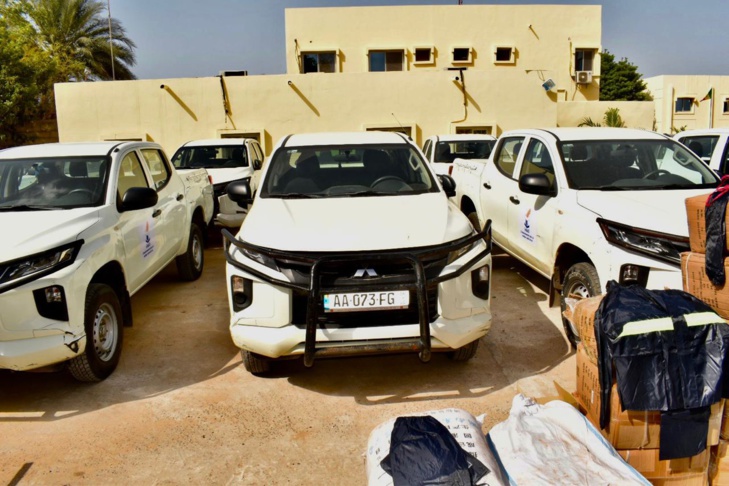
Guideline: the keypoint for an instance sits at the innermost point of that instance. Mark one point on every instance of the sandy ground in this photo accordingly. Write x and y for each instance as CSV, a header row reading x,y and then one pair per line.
x,y
181,409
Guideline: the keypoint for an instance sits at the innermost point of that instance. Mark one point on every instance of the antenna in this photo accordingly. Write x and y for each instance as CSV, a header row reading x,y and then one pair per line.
x,y
398,121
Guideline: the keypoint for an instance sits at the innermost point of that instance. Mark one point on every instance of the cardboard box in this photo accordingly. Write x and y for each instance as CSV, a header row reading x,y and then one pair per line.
x,y
696,215
689,471
719,464
583,317
627,429
725,422
696,282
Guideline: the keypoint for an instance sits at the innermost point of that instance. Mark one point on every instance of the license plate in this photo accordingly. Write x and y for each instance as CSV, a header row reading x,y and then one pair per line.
x,y
366,301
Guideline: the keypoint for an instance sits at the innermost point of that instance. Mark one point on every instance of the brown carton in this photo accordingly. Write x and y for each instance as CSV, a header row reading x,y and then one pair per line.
x,y
584,320
696,215
725,422
689,471
719,464
627,429
696,282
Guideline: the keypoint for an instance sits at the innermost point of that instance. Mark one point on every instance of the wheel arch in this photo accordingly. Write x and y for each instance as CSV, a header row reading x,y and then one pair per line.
x,y
112,274
567,255
467,206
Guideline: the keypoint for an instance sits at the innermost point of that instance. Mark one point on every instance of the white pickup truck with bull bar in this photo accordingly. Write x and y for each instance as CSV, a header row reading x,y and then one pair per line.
x,y
352,247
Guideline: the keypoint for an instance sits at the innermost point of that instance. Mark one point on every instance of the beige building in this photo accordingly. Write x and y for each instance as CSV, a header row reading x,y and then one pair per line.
x,y
683,102
425,70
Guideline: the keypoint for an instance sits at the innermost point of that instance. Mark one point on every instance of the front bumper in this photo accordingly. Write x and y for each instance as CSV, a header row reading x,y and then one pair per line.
x,y
268,326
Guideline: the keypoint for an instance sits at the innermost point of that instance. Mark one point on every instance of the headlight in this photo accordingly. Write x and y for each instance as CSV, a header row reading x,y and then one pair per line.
x,y
660,246
17,272
456,254
264,260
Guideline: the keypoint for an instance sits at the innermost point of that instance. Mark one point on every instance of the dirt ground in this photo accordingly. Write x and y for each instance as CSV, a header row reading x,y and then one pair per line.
x,y
181,409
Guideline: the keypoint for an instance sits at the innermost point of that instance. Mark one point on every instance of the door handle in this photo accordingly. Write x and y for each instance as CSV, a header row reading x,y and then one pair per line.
x,y
514,199
487,185
180,197
156,213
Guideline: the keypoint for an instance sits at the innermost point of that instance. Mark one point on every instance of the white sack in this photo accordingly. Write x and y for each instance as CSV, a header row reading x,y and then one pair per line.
x,y
555,444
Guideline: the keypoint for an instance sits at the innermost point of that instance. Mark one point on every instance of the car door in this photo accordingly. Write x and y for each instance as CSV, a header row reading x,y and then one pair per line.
x,y
531,218
498,185
170,212
137,228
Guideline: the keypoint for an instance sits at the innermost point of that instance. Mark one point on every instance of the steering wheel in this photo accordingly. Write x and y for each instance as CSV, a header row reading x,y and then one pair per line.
x,y
656,172
386,178
88,192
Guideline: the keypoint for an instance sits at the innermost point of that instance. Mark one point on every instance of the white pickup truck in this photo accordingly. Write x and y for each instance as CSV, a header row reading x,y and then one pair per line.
x,y
226,160
583,206
710,144
352,246
85,226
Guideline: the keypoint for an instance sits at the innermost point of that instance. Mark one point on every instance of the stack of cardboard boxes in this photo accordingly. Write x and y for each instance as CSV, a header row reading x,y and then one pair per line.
x,y
696,282
635,434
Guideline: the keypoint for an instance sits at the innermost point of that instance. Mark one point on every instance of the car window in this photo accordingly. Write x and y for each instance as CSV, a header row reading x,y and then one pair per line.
x,y
633,164
427,150
724,166
537,161
464,149
703,145
157,167
508,153
131,174
351,170
257,151
211,157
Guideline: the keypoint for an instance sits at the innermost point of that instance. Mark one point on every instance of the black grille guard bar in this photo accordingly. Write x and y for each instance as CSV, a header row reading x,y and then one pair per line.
x,y
419,285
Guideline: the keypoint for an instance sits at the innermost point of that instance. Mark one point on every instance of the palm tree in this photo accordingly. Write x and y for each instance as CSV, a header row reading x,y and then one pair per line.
x,y
76,33
611,118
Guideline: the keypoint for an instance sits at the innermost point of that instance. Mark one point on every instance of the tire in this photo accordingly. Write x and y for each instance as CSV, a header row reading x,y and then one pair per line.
x,y
473,218
254,363
581,279
464,353
190,265
104,335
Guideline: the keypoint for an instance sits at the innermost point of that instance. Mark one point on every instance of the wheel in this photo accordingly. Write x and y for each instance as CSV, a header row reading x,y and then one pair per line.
x,y
103,325
254,363
581,279
190,265
464,353
473,218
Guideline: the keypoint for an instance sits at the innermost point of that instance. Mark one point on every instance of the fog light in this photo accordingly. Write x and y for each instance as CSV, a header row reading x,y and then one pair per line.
x,y
634,274
50,302
242,292
480,282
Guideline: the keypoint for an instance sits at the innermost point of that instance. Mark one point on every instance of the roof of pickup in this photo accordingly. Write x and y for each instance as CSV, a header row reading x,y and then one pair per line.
x,y
345,138
218,142
79,149
591,133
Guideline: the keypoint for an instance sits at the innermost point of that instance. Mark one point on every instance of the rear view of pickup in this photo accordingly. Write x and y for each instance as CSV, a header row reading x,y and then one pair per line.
x,y
86,226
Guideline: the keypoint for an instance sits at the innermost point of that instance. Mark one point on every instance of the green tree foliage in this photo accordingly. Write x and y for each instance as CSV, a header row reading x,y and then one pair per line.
x,y
620,80
611,118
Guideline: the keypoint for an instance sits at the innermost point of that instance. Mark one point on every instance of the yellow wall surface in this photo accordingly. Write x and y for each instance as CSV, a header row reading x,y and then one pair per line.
x,y
635,114
543,38
426,98
665,90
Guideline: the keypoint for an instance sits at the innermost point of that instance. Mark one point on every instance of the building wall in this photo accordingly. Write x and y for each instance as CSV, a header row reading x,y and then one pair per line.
x,y
543,37
666,89
635,114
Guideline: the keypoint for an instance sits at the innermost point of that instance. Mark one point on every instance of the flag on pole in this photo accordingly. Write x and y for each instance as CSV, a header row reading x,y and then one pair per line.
x,y
708,96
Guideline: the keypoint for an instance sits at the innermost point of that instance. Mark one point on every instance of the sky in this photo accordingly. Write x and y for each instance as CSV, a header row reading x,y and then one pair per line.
x,y
195,38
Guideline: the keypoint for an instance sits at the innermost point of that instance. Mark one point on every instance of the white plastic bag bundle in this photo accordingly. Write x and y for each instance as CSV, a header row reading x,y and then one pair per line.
x,y
555,444
463,426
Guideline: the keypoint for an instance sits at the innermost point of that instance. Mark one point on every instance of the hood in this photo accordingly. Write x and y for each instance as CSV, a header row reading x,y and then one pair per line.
x,y
663,211
353,224
29,232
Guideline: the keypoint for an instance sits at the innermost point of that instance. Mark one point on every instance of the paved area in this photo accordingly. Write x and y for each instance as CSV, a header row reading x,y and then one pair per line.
x,y
181,409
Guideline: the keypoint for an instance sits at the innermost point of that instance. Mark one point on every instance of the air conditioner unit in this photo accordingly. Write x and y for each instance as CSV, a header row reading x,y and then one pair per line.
x,y
583,77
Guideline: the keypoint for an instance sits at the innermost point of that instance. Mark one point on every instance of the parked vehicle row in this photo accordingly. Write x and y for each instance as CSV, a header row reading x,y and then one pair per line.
x,y
85,226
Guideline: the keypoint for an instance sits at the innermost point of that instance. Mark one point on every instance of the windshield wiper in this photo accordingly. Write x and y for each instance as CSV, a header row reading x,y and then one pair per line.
x,y
606,188
30,207
298,195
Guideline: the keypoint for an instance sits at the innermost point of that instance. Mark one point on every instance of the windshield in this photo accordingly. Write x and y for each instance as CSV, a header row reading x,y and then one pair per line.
x,y
210,157
473,149
633,164
344,171
53,183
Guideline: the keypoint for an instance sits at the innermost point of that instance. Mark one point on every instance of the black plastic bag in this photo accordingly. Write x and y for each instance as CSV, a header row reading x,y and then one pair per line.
x,y
423,452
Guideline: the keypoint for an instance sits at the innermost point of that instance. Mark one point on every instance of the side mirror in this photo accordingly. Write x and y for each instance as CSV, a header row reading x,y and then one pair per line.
x,y
138,198
240,192
257,164
449,185
537,184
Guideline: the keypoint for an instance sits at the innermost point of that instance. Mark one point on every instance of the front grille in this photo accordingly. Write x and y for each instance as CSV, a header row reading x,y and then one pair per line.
x,y
375,318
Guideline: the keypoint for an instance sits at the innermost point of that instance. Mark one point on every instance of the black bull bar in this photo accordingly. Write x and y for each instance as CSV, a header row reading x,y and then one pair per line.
x,y
420,284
